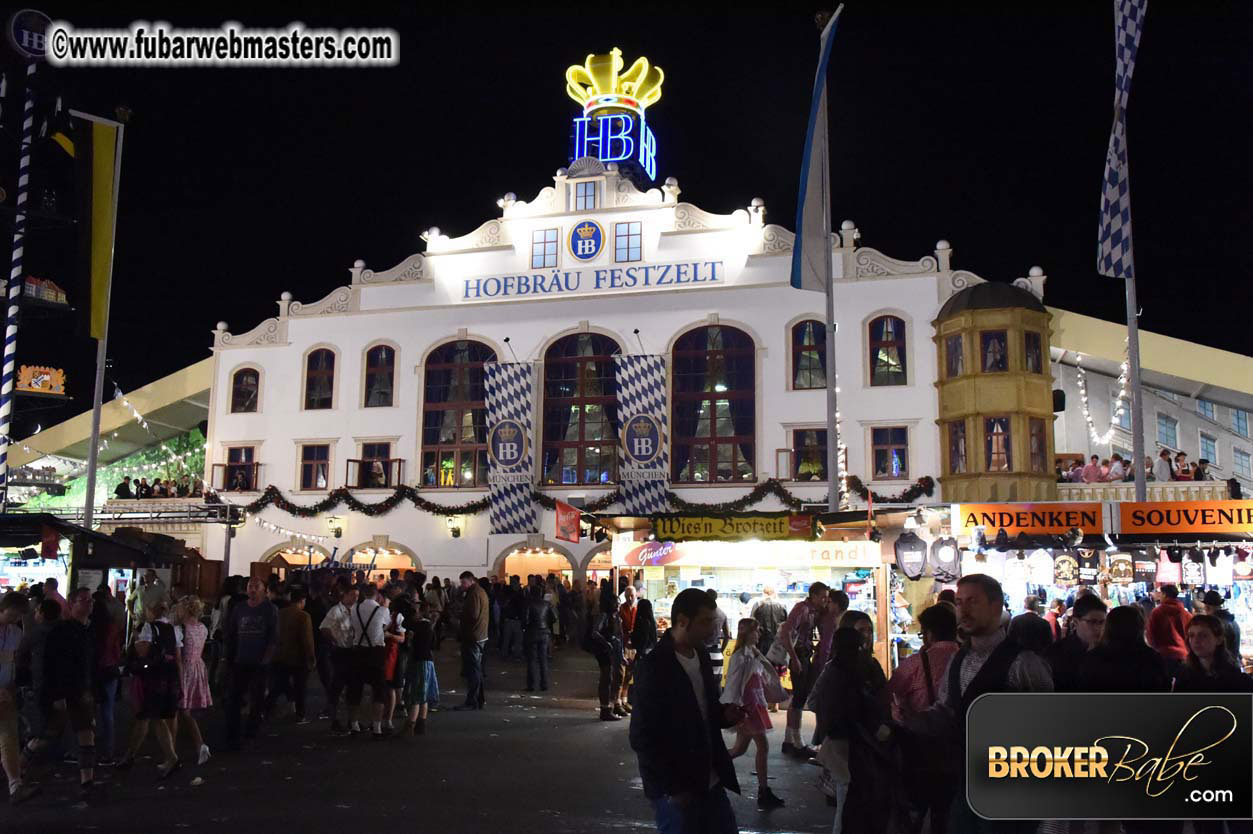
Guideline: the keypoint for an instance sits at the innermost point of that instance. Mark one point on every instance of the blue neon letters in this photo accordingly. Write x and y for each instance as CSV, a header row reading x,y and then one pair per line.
x,y
586,281
614,139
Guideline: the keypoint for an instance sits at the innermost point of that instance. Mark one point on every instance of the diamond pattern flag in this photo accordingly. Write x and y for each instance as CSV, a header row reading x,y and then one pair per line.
x,y
1115,257
509,398
643,456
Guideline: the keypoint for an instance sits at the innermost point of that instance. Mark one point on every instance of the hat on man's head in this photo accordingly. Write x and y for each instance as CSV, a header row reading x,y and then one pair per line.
x,y
1203,462
1212,598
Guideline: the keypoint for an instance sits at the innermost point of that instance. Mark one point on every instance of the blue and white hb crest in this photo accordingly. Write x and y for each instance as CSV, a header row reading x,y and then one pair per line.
x,y
586,240
506,443
641,440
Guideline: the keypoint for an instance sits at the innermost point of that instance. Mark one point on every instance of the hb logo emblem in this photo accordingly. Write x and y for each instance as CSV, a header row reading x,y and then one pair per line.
x,y
586,240
641,439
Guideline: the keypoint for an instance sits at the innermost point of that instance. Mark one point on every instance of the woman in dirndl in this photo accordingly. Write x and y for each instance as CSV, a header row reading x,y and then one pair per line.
x,y
746,687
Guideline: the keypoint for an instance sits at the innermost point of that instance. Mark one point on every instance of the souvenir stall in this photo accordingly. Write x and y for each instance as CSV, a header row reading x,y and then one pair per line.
x,y
741,570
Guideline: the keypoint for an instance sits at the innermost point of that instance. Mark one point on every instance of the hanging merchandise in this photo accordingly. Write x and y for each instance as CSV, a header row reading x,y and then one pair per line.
x,y
1066,568
1242,565
1218,567
945,560
1194,567
1121,569
1145,569
1016,569
1040,568
1169,571
1089,567
911,554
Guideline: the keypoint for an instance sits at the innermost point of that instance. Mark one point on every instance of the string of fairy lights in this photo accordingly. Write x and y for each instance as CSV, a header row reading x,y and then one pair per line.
x,y
286,532
1119,406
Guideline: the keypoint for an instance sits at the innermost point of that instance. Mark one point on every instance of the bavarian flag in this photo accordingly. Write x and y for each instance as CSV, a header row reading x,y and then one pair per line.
x,y
95,148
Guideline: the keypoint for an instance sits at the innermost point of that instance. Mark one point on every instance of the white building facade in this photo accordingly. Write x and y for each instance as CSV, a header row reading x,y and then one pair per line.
x,y
379,383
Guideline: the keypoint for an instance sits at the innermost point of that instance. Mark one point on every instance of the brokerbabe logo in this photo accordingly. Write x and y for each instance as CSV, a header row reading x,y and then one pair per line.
x,y
1106,756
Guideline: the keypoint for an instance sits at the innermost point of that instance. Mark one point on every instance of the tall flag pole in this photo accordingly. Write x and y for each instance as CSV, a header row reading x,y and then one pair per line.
x,y
14,289
1115,256
811,254
96,145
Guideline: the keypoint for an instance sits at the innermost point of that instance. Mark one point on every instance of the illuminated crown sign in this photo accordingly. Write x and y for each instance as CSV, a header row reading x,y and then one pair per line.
x,y
612,128
597,84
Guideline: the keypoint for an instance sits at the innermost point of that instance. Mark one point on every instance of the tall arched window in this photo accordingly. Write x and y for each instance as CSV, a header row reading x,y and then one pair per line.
x,y
714,406
809,355
454,416
580,411
887,351
320,379
380,376
245,386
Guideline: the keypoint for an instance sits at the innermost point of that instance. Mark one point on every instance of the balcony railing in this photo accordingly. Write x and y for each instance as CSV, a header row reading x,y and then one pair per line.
x,y
236,477
1157,491
376,473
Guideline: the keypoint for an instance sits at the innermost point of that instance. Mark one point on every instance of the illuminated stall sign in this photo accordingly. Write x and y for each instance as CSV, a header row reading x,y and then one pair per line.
x,y
735,527
1198,517
1033,519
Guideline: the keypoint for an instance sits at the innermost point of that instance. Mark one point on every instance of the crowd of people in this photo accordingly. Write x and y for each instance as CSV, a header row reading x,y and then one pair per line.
x,y
1117,469
186,486
891,752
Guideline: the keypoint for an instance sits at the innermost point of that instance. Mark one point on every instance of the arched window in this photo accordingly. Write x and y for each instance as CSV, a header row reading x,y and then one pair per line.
x,y
454,416
380,375
245,386
580,411
887,351
714,406
809,355
320,379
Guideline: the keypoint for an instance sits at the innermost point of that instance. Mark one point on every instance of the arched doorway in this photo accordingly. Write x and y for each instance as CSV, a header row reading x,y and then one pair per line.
x,y
379,561
283,557
522,560
597,563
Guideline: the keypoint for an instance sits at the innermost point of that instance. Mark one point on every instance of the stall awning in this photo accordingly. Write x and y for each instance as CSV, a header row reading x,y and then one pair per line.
x,y
88,548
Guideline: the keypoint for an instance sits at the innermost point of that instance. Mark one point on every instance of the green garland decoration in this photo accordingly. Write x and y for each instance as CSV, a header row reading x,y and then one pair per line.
x,y
273,497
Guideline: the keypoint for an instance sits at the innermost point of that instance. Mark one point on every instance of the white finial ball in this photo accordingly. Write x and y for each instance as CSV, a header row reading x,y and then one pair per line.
x,y
672,182
612,166
941,245
510,197
561,172
848,225
1035,272
433,231
358,264
222,325
756,202
286,296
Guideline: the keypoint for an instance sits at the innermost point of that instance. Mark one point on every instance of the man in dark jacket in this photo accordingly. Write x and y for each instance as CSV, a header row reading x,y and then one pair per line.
x,y
538,622
66,692
1066,655
677,723
475,621
1213,603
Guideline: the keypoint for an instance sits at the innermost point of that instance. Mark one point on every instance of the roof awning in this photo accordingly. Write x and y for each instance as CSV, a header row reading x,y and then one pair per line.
x,y
172,406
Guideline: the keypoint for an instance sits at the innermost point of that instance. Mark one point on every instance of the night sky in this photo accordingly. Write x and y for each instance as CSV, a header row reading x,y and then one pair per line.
x,y
985,125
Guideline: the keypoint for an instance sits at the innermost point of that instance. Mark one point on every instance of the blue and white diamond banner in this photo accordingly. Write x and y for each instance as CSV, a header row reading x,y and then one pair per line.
x,y
644,455
509,388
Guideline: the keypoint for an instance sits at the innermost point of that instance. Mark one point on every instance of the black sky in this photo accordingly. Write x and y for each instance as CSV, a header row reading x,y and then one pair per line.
x,y
982,124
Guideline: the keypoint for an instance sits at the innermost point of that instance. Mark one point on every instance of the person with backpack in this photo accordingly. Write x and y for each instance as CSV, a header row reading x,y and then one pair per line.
x,y
156,667
989,662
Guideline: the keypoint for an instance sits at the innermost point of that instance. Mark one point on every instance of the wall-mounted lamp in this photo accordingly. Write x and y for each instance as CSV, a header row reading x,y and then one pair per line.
x,y
336,525
454,526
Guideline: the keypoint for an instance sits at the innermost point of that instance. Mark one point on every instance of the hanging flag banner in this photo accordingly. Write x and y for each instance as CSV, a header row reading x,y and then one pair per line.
x,y
643,456
508,394
1115,257
567,522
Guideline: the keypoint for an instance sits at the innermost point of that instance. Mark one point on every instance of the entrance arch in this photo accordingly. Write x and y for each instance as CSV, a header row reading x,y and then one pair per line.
x,y
295,554
522,559
392,556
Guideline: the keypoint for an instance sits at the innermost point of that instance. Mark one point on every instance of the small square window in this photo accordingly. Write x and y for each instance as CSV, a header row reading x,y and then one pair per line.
x,y
1167,431
1205,408
627,242
890,453
315,465
1209,448
1033,353
1242,463
994,351
543,248
1240,422
954,358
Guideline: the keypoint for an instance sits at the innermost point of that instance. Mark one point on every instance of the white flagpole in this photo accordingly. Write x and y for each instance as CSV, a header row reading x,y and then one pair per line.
x,y
93,451
833,423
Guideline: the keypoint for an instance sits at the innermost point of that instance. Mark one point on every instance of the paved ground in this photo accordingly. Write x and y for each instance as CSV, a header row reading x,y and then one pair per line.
x,y
525,764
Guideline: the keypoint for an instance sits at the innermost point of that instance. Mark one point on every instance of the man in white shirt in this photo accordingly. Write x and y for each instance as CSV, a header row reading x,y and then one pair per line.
x,y
1116,471
369,626
1163,469
337,626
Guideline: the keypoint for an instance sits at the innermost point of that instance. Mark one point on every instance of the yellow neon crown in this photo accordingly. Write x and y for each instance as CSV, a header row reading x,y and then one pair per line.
x,y
585,231
597,84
